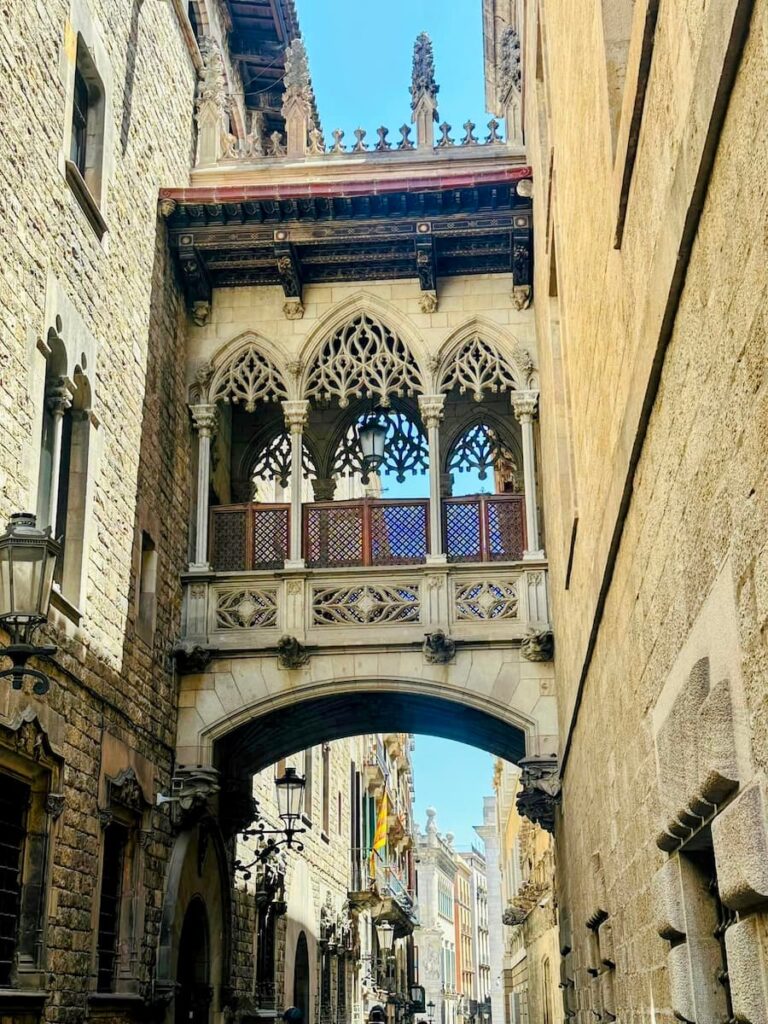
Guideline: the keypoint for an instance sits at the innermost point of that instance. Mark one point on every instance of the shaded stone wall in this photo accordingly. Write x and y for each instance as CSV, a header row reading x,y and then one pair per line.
x,y
112,699
683,583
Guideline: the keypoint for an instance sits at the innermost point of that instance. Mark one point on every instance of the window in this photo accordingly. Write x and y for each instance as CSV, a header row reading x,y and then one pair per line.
x,y
86,143
147,602
115,842
326,788
14,801
63,477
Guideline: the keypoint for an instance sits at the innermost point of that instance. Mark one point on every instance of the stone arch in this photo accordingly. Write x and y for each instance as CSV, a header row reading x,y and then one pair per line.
x,y
479,357
197,871
475,417
243,371
338,364
253,713
406,408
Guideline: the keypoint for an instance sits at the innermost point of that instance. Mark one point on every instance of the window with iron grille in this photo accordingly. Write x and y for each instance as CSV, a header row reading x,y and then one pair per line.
x,y
14,803
115,842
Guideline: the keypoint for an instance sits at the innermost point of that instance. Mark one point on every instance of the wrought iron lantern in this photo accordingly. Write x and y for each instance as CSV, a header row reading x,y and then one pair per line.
x,y
430,1011
290,801
373,434
417,998
385,933
27,562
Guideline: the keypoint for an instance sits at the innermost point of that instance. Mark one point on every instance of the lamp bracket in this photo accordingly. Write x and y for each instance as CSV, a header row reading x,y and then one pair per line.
x,y
19,655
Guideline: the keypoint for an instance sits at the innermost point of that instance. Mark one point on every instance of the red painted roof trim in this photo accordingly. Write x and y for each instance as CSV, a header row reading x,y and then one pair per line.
x,y
370,186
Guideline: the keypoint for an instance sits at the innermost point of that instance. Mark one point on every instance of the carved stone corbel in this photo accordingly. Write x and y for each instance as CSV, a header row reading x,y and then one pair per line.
x,y
290,653
539,645
438,648
540,792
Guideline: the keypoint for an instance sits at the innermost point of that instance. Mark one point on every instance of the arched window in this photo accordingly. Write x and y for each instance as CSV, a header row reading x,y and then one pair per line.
x,y
193,999
63,476
301,978
406,458
484,458
269,472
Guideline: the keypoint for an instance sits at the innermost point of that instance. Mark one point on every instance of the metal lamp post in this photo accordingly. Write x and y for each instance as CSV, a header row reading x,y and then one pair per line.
x,y
27,562
290,802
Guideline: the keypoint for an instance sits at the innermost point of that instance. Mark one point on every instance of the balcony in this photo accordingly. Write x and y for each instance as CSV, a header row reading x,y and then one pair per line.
x,y
365,572
380,885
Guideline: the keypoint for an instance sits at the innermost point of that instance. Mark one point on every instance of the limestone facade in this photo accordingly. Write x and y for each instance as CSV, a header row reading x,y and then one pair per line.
x,y
651,287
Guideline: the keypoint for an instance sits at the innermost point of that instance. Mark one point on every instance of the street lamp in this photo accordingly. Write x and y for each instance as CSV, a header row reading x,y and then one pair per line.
x,y
290,801
372,433
430,1011
385,933
417,998
27,562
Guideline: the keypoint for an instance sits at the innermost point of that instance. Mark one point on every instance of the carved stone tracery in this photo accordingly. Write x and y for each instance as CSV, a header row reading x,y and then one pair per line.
x,y
405,450
363,359
365,605
250,377
246,609
478,366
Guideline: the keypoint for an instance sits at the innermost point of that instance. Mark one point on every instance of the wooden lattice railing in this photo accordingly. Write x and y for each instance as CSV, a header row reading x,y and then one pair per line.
x,y
369,531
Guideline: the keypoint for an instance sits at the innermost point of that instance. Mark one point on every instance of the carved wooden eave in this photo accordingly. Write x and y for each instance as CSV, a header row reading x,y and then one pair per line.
x,y
424,227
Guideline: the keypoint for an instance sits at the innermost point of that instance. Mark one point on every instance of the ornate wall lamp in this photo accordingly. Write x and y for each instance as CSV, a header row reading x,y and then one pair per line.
x,y
27,562
290,803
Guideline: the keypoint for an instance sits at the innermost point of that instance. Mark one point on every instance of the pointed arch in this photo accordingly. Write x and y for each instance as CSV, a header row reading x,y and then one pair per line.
x,y
242,372
364,349
479,357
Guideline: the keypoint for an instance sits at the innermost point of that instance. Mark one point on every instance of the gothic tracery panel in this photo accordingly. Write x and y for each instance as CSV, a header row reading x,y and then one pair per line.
x,y
480,449
363,359
365,605
273,461
486,599
245,609
248,378
405,450
478,366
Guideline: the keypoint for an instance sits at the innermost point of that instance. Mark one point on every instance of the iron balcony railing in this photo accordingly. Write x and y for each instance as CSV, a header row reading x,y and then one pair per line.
x,y
370,872
367,532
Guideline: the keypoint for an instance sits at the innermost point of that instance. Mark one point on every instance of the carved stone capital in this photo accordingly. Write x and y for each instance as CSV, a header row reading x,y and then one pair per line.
x,y
432,409
204,419
540,792
296,415
58,396
525,405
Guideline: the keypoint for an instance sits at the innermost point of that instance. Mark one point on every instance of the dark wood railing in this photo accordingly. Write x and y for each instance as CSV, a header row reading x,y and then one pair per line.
x,y
484,528
369,531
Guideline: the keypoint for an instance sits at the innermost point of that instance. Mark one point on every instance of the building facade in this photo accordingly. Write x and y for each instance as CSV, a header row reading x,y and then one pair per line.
x,y
650,283
436,935
477,989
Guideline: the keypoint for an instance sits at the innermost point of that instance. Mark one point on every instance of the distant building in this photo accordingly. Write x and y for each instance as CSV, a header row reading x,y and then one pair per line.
x,y
435,936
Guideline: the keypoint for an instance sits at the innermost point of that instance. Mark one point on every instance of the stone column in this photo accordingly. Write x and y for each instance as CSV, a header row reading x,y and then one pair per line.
x,y
58,399
525,404
296,416
204,421
431,408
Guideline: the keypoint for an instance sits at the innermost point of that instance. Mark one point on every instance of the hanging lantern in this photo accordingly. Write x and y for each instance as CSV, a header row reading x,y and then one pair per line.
x,y
372,433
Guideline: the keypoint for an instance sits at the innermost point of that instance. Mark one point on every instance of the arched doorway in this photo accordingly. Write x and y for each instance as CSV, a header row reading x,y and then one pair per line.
x,y
301,978
193,999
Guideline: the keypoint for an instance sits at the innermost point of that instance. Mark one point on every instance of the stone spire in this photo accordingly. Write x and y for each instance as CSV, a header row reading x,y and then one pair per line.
x,y
212,106
511,83
297,99
424,91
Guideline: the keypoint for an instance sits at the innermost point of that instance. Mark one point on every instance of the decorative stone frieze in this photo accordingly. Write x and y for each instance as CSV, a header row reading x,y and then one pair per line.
x,y
540,792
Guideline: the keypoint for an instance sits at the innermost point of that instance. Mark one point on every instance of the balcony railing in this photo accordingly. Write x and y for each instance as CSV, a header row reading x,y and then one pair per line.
x,y
367,532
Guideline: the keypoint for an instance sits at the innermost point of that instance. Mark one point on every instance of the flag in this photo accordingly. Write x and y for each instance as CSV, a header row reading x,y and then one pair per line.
x,y
380,836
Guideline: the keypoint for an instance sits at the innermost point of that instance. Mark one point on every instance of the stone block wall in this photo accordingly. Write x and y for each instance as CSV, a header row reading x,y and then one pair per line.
x,y
119,305
654,352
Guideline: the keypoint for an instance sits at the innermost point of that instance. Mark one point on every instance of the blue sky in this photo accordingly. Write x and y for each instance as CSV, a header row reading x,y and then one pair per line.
x,y
452,778
360,58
